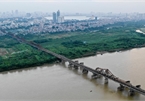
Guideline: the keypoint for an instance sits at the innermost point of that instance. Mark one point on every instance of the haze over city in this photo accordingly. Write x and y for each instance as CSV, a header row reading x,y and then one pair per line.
x,y
74,6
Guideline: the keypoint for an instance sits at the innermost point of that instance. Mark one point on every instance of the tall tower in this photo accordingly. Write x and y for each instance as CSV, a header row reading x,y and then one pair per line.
x,y
58,13
96,18
16,11
54,17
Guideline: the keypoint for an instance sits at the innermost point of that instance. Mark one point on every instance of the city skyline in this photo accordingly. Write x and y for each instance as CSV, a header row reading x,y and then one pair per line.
x,y
73,6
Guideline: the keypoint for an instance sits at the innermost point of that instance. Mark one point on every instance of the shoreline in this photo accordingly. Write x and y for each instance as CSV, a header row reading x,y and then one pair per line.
x,y
54,61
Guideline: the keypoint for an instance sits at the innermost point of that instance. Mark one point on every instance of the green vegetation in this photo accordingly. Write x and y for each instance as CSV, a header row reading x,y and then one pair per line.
x,y
120,36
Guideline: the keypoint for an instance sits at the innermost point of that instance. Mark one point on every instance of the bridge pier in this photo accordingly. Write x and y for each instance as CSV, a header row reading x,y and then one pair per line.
x,y
106,73
106,81
70,65
121,87
85,71
81,63
76,61
58,60
62,61
75,67
95,76
131,92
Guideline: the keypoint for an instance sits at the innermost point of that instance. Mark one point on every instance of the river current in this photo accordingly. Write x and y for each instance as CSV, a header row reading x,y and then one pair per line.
x,y
58,82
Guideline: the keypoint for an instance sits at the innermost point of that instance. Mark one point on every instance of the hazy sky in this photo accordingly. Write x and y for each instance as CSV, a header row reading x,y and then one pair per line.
x,y
74,6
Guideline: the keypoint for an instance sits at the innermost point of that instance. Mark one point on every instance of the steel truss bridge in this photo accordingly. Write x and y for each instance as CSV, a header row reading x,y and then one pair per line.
x,y
96,73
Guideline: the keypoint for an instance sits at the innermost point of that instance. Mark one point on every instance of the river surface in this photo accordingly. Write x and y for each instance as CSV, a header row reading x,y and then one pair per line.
x,y
78,17
57,82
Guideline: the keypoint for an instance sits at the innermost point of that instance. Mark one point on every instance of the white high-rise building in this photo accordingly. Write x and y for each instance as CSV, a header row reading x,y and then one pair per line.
x,y
60,19
54,17
58,13
57,18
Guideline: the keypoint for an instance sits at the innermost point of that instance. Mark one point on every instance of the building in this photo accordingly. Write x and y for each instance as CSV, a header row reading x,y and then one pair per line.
x,y
28,14
57,18
60,19
96,18
16,11
58,13
54,17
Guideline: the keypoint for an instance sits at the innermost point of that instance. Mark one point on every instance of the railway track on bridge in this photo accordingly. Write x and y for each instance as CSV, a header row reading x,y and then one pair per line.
x,y
106,73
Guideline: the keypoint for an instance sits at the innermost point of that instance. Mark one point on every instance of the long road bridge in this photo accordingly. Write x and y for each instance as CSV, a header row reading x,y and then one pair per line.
x,y
97,73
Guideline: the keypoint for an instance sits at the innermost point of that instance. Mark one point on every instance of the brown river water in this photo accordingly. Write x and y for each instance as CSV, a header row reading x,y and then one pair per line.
x,y
58,82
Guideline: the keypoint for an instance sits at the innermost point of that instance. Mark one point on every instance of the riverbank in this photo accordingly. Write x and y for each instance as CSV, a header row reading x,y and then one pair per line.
x,y
55,59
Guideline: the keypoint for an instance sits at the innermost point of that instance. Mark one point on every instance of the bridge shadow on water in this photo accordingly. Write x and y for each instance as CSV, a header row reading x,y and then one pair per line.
x,y
100,84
